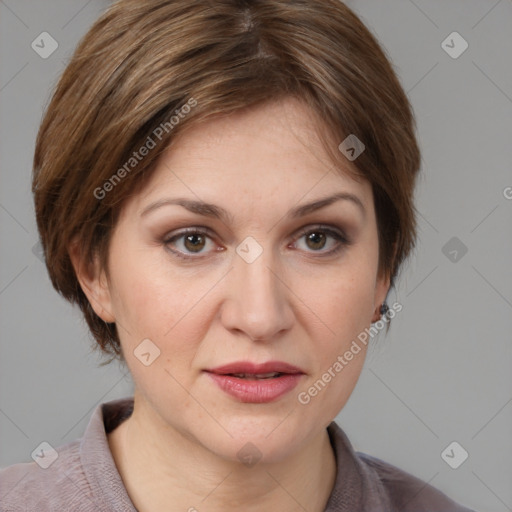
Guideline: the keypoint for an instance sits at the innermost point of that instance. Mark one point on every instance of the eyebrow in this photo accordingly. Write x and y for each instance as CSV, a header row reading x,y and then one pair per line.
x,y
214,211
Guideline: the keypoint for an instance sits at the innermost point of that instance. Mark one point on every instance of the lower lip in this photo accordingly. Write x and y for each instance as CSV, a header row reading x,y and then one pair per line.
x,y
256,391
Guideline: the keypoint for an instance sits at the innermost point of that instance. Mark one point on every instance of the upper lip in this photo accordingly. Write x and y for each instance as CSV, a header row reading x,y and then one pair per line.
x,y
255,369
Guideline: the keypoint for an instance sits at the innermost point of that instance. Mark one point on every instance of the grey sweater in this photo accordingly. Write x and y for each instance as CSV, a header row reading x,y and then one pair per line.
x,y
84,477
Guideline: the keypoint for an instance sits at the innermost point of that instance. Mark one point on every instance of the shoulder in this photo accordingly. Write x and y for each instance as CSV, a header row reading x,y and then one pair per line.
x,y
80,476
407,492
55,482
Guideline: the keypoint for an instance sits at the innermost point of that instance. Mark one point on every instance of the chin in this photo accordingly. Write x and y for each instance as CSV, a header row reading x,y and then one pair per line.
x,y
266,437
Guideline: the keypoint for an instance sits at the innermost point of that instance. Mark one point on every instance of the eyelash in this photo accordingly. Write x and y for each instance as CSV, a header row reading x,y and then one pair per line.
x,y
340,237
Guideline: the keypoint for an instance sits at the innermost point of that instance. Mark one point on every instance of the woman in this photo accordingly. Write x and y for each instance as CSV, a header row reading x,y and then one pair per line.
x,y
226,190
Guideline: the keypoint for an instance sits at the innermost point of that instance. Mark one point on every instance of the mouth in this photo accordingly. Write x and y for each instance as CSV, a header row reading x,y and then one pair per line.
x,y
261,376
246,369
256,383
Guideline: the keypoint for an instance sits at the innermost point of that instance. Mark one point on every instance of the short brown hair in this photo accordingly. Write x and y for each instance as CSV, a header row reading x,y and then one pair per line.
x,y
141,63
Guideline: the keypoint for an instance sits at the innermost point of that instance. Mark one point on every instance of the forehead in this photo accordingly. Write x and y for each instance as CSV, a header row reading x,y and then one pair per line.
x,y
266,154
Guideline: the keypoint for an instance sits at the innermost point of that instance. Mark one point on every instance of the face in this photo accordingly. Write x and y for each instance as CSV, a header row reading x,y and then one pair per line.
x,y
263,282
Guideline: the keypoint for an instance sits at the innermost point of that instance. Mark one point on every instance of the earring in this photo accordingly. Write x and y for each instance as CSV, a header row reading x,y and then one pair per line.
x,y
384,308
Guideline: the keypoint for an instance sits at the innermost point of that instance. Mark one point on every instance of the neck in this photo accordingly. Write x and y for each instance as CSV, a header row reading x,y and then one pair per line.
x,y
175,469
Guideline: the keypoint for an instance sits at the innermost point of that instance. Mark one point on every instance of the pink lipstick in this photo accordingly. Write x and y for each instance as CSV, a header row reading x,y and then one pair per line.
x,y
256,383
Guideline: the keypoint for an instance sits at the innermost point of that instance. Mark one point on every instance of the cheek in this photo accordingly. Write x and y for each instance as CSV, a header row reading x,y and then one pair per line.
x,y
148,297
169,308
347,311
343,303
339,354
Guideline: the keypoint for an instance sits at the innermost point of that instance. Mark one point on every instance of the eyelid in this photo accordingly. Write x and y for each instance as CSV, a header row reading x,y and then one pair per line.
x,y
202,230
323,227
185,231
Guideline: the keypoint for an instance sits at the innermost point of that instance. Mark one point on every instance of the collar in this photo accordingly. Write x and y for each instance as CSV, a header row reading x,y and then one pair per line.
x,y
355,488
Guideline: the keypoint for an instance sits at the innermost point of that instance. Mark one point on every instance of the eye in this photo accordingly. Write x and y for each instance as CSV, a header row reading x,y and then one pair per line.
x,y
190,241
316,238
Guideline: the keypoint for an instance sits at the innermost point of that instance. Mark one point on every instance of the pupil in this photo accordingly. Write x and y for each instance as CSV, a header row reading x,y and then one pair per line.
x,y
317,238
189,238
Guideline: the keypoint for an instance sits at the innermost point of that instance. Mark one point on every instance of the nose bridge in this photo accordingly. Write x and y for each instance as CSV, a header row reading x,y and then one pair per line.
x,y
259,280
259,306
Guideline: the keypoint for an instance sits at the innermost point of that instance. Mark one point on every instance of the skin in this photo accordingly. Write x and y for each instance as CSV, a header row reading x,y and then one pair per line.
x,y
294,303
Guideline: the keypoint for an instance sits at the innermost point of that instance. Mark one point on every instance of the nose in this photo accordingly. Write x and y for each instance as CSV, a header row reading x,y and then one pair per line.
x,y
257,299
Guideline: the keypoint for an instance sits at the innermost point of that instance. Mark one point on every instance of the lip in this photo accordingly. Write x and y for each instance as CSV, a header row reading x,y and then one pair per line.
x,y
260,390
253,368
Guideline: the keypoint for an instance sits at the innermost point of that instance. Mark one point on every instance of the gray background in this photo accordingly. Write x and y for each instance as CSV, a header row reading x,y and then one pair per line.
x,y
442,374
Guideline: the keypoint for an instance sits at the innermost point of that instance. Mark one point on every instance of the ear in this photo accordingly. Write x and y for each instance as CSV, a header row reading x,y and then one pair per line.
x,y
382,286
93,282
